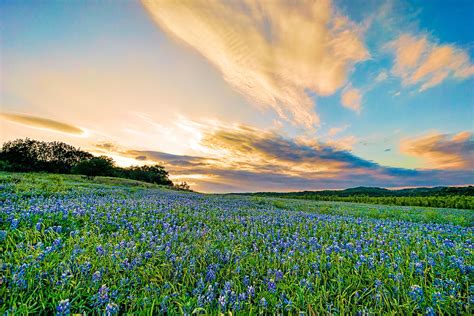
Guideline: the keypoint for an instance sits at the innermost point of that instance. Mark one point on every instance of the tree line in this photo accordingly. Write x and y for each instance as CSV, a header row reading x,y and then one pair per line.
x,y
28,155
445,197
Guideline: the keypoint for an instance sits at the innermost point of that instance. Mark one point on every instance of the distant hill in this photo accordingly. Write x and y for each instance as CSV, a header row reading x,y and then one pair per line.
x,y
449,197
378,192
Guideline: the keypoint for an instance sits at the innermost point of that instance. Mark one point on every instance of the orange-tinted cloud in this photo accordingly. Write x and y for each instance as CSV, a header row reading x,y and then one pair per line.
x,y
419,61
442,151
272,51
42,123
333,131
352,99
241,158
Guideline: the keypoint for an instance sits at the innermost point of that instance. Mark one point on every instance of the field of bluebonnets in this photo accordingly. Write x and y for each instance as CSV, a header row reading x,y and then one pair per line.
x,y
117,249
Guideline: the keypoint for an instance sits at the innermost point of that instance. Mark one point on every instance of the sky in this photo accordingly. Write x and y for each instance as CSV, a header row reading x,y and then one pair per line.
x,y
240,96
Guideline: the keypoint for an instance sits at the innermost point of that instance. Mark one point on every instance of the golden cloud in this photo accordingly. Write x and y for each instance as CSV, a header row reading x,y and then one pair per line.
x,y
419,61
351,99
270,51
42,123
243,158
442,151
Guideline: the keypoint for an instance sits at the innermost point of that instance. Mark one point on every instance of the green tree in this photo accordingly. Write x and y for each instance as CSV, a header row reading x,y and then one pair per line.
x,y
32,155
152,174
96,166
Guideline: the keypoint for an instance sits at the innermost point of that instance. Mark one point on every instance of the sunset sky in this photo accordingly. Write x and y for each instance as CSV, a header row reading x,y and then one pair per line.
x,y
236,96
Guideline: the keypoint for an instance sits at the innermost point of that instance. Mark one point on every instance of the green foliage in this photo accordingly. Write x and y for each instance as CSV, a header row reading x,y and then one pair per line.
x,y
96,166
24,185
404,213
151,174
445,197
182,186
5,166
161,252
27,155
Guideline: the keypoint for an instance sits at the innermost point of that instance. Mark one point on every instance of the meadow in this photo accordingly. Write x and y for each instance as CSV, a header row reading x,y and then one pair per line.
x,y
69,245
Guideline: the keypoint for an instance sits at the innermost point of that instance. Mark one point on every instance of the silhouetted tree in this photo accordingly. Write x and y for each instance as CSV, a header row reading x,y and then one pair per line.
x,y
96,166
27,155
32,155
152,174
183,186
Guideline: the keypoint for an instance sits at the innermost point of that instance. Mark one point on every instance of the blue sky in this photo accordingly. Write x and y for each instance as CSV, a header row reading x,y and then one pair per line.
x,y
386,82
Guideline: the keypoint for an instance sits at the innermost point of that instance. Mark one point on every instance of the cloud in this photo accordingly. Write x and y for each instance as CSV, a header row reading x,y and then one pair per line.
x,y
352,99
343,143
42,123
382,76
333,131
272,52
242,158
442,151
268,147
421,62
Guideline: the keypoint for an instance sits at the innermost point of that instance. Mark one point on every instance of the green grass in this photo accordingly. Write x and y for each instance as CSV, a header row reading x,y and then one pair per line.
x,y
405,213
107,244
32,184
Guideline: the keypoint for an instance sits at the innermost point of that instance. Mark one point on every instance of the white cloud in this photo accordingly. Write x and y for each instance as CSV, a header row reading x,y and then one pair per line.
x,y
382,76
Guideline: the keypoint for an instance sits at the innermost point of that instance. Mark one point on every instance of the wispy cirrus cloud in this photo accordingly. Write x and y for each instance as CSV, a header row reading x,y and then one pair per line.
x,y
442,151
419,61
42,123
272,52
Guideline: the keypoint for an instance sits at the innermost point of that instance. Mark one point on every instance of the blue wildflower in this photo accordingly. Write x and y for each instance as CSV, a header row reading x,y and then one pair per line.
x,y
64,308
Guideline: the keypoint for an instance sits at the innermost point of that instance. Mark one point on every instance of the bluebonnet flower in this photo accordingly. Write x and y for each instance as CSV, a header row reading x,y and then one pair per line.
x,y
97,276
211,273
263,302
378,283
246,280
419,268
436,298
64,308
14,223
86,267
57,243
100,251
250,291
278,275
3,235
449,243
102,297
416,293
111,309
222,301
271,286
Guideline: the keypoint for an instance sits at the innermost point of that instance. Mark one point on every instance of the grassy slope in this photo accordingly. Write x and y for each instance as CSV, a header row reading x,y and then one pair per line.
x,y
30,184
405,213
